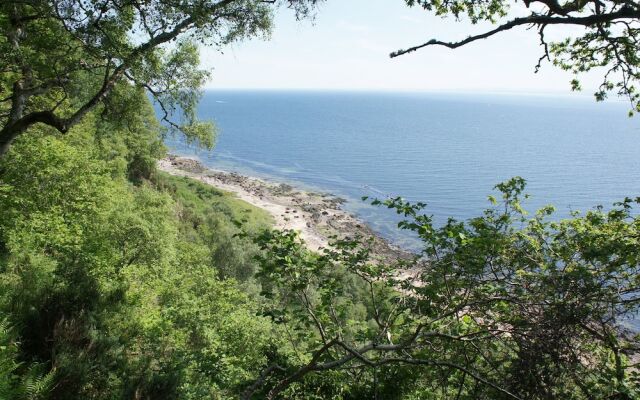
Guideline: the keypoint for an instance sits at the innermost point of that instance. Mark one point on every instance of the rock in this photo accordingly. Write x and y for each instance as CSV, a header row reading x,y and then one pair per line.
x,y
187,164
309,208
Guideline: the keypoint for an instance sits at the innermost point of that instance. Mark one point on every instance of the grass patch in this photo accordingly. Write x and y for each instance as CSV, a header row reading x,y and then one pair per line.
x,y
201,199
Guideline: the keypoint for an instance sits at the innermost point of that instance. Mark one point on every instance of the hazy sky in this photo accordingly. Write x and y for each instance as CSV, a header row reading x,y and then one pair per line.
x,y
347,47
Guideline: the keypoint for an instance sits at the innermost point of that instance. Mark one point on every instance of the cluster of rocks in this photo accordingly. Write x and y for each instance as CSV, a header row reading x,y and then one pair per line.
x,y
187,164
282,190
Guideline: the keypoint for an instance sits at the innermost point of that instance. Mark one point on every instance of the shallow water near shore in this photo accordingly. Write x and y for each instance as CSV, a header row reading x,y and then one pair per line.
x,y
447,150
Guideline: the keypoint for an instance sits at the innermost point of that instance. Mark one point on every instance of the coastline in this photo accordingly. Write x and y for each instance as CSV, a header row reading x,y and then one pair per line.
x,y
315,216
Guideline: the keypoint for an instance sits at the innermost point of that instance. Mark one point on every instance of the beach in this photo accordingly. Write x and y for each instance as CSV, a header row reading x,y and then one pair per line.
x,y
314,215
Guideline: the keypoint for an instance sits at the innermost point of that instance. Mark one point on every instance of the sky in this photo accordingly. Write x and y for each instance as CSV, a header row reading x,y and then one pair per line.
x,y
347,47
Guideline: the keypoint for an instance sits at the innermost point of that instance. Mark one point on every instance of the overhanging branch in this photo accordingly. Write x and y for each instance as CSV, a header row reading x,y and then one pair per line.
x,y
21,122
534,19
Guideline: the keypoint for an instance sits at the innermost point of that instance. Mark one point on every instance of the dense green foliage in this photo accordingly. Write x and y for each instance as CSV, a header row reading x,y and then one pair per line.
x,y
118,281
116,288
29,383
502,306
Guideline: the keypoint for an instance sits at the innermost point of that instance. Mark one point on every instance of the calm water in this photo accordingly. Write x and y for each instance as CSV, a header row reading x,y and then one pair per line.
x,y
443,149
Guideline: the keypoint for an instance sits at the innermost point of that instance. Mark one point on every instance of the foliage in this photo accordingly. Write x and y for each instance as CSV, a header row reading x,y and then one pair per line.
x,y
116,286
117,281
212,218
30,383
503,306
61,59
120,284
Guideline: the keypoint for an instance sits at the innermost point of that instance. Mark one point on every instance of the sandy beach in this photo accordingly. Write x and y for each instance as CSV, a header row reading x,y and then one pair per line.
x,y
316,216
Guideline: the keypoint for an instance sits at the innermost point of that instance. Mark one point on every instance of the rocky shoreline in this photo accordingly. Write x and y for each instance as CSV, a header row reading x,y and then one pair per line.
x,y
316,216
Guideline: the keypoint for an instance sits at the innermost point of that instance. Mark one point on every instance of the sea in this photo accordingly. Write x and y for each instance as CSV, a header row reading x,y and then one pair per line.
x,y
448,150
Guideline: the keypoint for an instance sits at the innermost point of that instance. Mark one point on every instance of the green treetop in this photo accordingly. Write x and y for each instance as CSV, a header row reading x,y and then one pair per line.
x,y
60,59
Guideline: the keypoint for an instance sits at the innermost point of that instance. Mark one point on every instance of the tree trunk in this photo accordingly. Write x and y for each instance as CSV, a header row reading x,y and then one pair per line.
x,y
6,138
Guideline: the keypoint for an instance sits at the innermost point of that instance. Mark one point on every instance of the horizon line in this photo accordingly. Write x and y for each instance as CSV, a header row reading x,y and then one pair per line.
x,y
583,95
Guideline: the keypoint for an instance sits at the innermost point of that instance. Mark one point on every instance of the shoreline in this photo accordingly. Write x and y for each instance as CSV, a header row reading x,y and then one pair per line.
x,y
315,216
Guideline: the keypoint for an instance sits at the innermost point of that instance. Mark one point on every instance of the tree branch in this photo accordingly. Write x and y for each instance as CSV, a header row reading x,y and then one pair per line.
x,y
534,19
20,123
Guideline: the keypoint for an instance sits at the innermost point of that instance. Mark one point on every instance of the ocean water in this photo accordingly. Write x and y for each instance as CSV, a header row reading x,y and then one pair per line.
x,y
447,150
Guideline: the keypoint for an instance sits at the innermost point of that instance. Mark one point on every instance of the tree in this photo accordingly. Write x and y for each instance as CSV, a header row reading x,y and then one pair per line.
x,y
610,38
503,306
60,59
114,290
